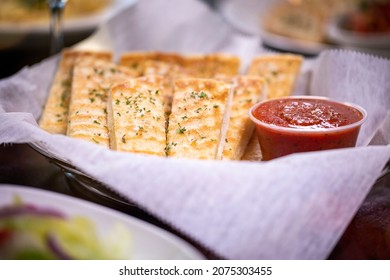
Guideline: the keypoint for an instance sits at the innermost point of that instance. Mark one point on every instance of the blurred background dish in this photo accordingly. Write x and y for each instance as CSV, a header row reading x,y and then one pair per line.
x,y
299,26
24,24
26,42
283,25
367,26
147,241
33,14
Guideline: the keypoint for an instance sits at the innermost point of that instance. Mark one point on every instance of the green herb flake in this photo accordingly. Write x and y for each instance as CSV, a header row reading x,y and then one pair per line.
x,y
99,72
66,83
181,130
167,148
202,95
64,96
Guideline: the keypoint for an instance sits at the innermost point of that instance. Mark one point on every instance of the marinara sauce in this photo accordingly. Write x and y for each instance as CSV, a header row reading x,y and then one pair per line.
x,y
299,124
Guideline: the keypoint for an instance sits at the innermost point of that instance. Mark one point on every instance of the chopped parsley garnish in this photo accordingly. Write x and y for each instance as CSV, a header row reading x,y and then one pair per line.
x,y
99,72
202,95
64,96
181,130
65,83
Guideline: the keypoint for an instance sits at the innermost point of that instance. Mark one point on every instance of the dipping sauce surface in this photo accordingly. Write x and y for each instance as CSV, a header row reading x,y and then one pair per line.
x,y
307,113
301,124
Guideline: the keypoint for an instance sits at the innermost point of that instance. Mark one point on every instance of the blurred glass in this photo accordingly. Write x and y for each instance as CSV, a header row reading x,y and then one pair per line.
x,y
56,31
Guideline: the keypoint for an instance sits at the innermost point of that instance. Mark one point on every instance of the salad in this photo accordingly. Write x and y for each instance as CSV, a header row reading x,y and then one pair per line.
x,y
31,232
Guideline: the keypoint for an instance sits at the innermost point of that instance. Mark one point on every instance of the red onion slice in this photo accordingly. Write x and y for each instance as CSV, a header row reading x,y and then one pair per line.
x,y
56,248
20,210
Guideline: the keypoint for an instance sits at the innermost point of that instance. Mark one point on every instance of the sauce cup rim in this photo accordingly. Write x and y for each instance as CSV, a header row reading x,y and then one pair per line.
x,y
309,130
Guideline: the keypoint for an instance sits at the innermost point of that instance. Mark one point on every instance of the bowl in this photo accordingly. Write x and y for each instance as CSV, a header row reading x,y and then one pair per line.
x,y
337,33
305,123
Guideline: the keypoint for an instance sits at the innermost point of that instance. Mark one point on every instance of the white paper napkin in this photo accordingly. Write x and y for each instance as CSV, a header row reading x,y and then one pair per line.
x,y
294,207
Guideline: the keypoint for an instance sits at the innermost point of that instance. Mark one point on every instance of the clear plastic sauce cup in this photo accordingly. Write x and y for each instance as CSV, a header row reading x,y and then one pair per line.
x,y
305,123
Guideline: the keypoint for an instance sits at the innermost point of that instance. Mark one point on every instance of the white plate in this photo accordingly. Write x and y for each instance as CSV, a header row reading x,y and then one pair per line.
x,y
34,34
149,241
245,15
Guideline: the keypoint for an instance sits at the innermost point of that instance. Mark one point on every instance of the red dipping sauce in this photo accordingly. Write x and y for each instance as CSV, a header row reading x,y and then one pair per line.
x,y
305,123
